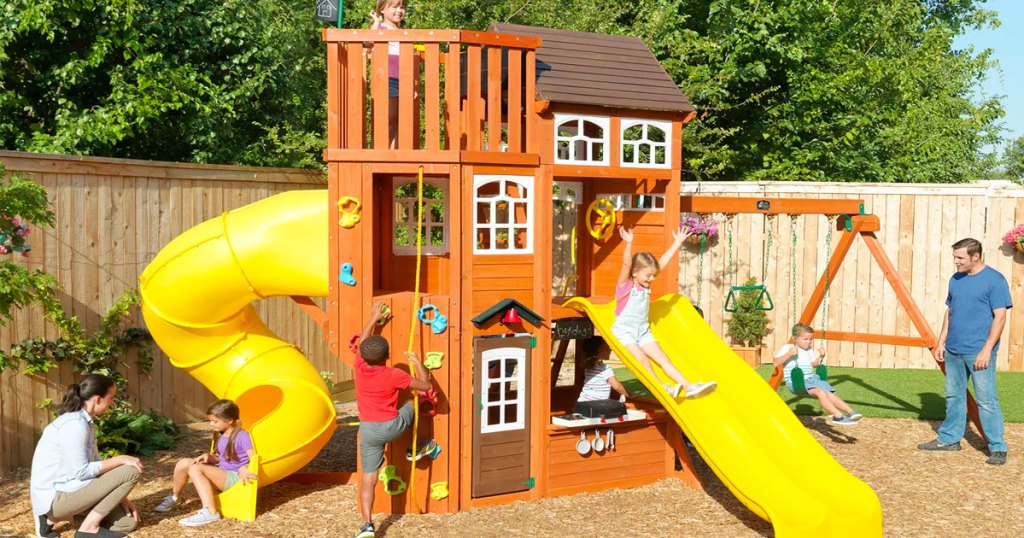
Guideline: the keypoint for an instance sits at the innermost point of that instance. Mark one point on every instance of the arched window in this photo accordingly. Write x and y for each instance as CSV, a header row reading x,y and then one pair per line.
x,y
581,139
502,214
435,216
646,143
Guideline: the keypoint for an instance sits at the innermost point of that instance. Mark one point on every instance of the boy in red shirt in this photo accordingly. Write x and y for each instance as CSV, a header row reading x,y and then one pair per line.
x,y
380,419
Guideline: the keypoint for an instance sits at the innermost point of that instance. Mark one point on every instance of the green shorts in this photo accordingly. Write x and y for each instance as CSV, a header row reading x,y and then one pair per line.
x,y
231,479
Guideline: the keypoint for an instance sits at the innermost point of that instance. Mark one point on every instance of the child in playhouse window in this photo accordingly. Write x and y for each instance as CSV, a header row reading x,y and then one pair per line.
x,y
599,380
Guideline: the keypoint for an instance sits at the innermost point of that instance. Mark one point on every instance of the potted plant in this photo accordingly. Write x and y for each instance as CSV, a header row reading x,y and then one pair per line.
x,y
1015,237
703,229
748,326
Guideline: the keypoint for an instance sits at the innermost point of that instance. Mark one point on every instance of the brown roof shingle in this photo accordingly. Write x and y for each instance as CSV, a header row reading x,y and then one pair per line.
x,y
598,69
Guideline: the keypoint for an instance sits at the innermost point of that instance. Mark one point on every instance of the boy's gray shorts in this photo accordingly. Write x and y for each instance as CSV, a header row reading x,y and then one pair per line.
x,y
374,435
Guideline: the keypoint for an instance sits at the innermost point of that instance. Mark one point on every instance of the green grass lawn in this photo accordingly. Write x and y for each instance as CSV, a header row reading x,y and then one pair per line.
x,y
887,393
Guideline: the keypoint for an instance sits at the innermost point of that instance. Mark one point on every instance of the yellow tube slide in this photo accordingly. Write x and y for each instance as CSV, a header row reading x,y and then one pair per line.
x,y
746,433
197,299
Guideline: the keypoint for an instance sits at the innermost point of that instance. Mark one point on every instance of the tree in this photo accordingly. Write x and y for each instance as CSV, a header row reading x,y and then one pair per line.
x,y
1013,159
198,80
840,91
785,89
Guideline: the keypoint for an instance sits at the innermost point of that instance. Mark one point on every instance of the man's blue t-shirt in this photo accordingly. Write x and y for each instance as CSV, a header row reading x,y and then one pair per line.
x,y
971,300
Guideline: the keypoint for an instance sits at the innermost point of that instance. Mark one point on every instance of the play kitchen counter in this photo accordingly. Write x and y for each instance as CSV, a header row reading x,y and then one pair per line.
x,y
616,453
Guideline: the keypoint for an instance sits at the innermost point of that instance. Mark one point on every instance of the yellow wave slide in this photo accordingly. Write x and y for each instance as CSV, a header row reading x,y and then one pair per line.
x,y
746,433
197,296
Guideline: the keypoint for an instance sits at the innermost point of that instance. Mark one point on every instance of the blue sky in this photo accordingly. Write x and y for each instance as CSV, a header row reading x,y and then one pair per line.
x,y
1007,42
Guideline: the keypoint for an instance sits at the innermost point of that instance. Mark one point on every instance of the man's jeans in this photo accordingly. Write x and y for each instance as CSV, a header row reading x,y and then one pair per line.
x,y
958,369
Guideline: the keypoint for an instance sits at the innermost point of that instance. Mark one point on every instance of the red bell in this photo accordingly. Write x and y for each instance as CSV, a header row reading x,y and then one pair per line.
x,y
511,316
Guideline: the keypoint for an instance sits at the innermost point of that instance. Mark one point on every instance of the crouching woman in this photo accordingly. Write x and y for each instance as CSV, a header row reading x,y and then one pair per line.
x,y
70,481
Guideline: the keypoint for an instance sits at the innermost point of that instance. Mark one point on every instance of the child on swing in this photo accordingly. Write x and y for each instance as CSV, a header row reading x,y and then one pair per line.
x,y
800,354
225,466
380,419
632,306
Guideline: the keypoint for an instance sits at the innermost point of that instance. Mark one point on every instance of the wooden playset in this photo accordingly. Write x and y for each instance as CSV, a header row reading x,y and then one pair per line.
x,y
493,122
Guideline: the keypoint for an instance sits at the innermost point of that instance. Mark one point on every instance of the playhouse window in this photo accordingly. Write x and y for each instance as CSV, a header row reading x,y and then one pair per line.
x,y
637,202
646,143
581,139
501,400
435,222
503,214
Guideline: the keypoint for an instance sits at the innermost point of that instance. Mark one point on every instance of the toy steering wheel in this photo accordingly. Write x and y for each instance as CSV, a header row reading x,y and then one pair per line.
x,y
605,212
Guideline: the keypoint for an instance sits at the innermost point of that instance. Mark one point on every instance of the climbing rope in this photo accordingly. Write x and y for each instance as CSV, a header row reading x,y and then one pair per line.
x,y
412,334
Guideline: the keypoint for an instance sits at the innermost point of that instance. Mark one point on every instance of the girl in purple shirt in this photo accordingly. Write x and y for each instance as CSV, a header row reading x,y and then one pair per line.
x,y
224,467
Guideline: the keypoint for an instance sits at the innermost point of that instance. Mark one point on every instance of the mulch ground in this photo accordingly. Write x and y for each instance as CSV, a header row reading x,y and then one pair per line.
x,y
923,494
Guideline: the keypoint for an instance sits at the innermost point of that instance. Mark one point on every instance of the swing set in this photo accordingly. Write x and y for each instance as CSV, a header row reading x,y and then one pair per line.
x,y
851,220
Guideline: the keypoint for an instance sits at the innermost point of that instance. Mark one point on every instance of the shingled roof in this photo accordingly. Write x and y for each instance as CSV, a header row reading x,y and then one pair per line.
x,y
582,68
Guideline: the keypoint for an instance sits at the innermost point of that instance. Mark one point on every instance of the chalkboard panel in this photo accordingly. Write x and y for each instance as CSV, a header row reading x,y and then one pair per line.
x,y
572,329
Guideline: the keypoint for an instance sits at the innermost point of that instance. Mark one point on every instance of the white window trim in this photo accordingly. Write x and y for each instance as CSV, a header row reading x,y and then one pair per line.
x,y
430,250
602,121
624,202
517,354
665,126
525,182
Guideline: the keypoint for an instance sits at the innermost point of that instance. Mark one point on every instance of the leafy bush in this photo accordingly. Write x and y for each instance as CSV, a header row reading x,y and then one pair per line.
x,y
122,430
748,325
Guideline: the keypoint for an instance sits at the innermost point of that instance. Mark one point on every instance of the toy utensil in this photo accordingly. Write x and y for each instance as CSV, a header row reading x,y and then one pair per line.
x,y
583,445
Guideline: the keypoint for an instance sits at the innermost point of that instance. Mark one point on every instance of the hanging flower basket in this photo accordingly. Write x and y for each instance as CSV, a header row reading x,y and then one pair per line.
x,y
701,228
1015,237
696,239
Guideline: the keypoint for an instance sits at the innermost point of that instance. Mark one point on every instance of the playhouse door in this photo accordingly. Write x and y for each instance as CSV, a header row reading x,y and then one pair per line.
x,y
501,425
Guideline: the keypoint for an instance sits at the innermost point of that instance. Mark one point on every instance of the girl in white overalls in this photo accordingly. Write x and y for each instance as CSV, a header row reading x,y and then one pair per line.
x,y
632,324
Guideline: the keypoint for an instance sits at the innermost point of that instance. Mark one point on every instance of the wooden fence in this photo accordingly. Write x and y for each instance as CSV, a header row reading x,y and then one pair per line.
x,y
113,216
919,224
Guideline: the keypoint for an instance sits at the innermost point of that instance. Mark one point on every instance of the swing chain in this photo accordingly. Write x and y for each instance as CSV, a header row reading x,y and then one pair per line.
x,y
700,267
828,260
769,223
730,269
792,270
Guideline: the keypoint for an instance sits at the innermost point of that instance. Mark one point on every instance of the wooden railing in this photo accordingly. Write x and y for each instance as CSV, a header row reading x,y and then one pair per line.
x,y
450,98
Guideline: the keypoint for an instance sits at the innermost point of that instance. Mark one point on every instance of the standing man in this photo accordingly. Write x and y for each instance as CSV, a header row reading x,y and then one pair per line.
x,y
975,315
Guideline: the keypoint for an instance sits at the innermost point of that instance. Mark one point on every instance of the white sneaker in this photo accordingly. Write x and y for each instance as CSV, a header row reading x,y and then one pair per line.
x,y
200,518
701,389
166,504
673,390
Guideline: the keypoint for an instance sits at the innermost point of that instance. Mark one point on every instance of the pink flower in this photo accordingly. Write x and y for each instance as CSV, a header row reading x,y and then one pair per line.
x,y
3,249
22,232
1015,235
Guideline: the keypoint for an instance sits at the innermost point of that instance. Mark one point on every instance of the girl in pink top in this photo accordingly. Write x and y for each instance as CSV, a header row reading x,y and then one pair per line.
x,y
389,16
632,325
